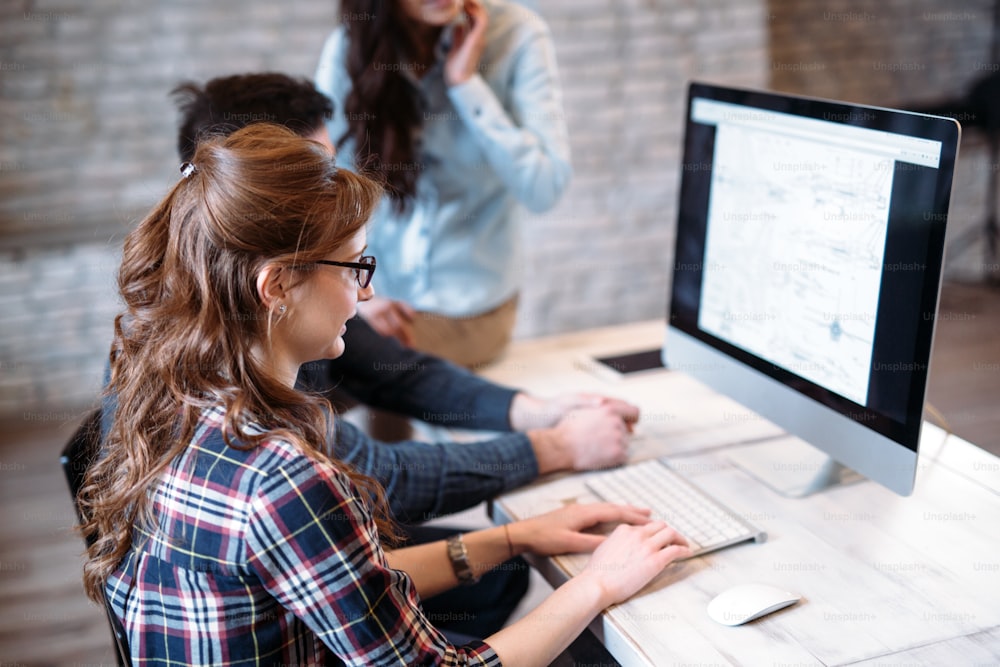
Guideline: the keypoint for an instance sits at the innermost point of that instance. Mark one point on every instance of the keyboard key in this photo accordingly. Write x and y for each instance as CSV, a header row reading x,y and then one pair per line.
x,y
706,523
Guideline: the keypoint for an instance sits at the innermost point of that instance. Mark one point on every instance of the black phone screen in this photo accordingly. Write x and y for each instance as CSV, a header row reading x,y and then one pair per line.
x,y
633,362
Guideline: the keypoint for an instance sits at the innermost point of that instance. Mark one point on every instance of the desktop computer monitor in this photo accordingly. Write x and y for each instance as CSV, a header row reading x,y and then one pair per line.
x,y
809,249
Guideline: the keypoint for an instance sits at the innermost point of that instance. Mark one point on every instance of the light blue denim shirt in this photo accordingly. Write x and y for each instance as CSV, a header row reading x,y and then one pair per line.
x,y
488,144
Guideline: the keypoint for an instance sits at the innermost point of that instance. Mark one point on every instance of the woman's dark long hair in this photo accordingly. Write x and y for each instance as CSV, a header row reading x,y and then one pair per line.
x,y
382,110
193,316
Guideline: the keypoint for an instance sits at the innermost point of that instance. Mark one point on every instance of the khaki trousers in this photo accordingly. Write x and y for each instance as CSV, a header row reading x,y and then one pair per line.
x,y
467,341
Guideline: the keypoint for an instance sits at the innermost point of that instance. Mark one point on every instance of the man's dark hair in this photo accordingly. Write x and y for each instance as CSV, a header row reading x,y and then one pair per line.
x,y
225,104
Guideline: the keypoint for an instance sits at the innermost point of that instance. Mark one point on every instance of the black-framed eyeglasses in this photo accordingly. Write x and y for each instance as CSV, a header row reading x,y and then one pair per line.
x,y
364,268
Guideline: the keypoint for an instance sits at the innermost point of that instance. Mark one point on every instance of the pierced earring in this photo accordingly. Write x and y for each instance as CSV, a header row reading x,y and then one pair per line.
x,y
282,308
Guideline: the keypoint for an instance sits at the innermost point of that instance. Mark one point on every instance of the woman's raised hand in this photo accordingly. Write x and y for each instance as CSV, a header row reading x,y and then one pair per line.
x,y
467,45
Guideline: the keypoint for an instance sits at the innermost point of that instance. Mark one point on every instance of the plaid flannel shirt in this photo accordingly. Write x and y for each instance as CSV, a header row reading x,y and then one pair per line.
x,y
265,556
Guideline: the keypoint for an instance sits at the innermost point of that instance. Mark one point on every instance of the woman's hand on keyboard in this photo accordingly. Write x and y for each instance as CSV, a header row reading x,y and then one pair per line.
x,y
562,531
630,557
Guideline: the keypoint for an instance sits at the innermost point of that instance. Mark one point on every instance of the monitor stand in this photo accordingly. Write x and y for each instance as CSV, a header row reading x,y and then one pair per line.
x,y
791,467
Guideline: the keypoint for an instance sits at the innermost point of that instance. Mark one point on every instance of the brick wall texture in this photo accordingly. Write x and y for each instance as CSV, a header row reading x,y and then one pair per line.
x,y
88,141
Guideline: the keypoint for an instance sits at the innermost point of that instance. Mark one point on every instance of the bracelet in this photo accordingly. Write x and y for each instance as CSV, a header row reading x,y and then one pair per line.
x,y
459,557
510,546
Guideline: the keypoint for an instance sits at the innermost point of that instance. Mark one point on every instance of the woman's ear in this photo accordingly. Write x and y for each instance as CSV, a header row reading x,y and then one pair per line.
x,y
271,287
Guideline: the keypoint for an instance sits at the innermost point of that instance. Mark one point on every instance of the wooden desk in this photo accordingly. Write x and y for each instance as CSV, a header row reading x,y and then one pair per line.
x,y
885,580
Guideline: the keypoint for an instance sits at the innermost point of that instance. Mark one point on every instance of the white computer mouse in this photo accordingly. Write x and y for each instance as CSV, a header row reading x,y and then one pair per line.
x,y
746,602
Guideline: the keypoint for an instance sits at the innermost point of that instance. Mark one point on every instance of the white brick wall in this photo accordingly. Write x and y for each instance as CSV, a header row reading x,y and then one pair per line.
x,y
88,141
603,254
58,305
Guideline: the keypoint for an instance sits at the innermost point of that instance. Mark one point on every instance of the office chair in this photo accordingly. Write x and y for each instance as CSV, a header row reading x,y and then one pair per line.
x,y
76,457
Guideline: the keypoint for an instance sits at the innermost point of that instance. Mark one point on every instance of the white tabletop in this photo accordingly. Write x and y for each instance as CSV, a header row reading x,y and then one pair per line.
x,y
884,580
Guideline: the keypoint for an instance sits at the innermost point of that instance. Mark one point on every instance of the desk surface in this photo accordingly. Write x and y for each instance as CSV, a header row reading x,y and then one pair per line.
x,y
885,580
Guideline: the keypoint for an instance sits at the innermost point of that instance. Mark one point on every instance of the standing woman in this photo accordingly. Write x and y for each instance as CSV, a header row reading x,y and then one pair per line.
x,y
456,105
224,531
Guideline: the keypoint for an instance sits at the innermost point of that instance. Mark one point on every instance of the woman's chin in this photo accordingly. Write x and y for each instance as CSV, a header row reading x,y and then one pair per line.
x,y
336,349
439,13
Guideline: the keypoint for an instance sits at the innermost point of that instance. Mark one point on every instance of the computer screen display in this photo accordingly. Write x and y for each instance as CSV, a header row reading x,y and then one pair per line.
x,y
809,251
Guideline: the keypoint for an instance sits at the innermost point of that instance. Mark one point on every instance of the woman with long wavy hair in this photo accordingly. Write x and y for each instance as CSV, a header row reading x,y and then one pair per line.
x,y
223,531
456,105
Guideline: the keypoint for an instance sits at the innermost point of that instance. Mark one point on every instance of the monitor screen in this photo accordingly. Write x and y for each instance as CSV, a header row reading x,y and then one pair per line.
x,y
809,250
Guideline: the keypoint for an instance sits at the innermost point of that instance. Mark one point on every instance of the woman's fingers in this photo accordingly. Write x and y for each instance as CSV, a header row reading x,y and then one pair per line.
x,y
601,512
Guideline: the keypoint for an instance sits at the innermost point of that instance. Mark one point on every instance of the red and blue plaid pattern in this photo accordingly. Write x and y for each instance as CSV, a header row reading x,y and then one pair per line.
x,y
266,556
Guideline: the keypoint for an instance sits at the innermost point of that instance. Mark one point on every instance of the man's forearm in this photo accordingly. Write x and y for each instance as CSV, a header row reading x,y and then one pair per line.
x,y
424,480
379,372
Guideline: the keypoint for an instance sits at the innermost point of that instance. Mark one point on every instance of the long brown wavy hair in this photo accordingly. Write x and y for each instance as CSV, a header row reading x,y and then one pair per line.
x,y
193,314
382,110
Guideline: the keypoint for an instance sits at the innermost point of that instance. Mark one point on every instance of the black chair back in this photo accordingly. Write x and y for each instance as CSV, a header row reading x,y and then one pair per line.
x,y
76,458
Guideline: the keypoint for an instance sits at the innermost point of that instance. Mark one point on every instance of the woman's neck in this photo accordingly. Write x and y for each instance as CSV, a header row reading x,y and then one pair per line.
x,y
277,365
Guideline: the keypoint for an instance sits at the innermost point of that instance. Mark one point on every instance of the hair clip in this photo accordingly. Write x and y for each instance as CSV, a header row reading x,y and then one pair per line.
x,y
188,168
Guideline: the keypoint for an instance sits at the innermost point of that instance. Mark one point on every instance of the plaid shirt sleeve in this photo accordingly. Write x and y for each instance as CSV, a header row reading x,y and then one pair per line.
x,y
313,544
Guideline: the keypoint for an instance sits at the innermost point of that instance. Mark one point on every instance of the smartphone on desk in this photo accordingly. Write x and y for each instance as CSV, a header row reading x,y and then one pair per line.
x,y
624,365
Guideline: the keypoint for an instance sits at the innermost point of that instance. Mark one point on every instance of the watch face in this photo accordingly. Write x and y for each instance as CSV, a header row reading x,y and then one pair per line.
x,y
459,557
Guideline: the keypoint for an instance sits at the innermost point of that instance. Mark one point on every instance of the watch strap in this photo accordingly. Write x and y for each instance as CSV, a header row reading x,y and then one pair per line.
x,y
459,557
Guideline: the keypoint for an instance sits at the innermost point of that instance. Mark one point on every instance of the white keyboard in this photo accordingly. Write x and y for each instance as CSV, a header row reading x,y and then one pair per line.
x,y
705,522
